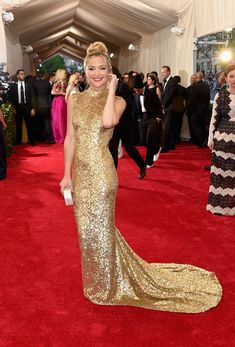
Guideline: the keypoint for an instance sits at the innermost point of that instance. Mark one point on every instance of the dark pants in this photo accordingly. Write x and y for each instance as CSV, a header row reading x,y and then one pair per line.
x,y
193,137
45,119
150,136
3,156
177,125
122,133
168,130
198,123
22,112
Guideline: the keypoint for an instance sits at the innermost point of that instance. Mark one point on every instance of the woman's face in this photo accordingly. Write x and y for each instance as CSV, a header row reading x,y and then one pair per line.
x,y
231,79
75,82
97,72
149,81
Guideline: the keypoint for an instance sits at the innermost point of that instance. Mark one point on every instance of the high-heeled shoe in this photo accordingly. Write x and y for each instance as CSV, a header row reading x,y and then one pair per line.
x,y
142,173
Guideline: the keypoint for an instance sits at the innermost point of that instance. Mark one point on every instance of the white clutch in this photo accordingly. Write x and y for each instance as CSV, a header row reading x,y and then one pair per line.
x,y
68,199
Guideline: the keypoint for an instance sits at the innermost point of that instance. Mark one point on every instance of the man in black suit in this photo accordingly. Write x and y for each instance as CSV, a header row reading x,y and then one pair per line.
x,y
189,107
200,101
179,107
41,103
124,130
20,95
168,95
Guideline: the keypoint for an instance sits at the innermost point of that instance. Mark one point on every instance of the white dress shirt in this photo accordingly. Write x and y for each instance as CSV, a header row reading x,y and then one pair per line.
x,y
19,92
143,109
167,79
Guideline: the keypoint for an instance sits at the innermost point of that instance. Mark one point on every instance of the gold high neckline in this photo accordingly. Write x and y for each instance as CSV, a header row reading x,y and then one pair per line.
x,y
95,93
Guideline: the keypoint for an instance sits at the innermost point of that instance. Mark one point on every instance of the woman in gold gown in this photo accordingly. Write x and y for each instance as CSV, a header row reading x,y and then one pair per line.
x,y
112,273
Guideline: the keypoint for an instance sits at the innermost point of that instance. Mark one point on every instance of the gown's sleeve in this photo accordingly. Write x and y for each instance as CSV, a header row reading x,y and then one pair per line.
x,y
215,118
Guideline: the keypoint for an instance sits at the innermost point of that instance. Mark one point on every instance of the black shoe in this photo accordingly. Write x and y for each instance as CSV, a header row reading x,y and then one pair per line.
x,y
142,173
207,167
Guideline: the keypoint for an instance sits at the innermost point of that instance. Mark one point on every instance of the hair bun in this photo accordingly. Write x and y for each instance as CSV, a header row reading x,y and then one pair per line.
x,y
97,47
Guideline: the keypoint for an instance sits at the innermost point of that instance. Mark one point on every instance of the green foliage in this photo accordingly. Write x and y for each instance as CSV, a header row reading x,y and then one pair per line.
x,y
53,64
10,132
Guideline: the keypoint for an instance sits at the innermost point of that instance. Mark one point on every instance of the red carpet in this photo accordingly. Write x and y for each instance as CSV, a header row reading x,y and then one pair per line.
x,y
164,220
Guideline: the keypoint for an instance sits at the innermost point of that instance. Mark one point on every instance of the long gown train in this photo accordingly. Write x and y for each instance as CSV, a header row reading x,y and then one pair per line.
x,y
112,273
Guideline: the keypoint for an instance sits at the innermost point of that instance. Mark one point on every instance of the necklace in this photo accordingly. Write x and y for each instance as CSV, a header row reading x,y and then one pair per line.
x,y
94,93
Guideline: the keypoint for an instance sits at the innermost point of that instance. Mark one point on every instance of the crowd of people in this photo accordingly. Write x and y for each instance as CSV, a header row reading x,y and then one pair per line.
x,y
153,116
41,102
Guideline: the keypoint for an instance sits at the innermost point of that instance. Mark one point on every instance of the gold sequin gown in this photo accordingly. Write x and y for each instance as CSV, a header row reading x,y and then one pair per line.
x,y
112,273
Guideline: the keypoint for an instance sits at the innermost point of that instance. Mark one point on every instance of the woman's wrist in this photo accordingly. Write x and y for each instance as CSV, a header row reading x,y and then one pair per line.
x,y
67,174
112,92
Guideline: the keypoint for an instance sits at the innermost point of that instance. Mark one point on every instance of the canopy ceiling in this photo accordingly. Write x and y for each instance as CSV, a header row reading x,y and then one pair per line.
x,y
69,26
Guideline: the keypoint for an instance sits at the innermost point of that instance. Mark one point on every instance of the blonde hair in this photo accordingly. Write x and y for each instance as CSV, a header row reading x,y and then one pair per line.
x,y
72,78
60,75
97,49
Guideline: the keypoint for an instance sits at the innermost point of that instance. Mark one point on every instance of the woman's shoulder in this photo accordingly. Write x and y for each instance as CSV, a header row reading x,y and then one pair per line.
x,y
120,99
75,96
222,95
79,97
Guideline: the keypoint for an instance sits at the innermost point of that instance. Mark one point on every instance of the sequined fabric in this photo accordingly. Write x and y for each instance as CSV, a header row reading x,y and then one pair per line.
x,y
112,273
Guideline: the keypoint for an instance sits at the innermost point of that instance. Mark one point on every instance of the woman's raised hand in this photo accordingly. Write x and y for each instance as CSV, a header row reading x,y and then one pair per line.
x,y
113,82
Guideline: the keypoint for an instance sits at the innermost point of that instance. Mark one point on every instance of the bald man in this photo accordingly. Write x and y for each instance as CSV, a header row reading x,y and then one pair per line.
x,y
189,111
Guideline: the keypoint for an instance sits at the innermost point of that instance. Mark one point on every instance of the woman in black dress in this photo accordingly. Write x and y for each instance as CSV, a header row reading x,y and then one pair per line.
x,y
151,124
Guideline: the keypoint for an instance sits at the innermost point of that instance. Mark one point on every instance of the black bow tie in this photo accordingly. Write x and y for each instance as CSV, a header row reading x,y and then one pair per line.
x,y
165,81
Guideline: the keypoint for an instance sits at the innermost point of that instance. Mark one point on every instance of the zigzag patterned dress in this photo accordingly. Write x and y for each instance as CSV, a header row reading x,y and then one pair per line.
x,y
221,198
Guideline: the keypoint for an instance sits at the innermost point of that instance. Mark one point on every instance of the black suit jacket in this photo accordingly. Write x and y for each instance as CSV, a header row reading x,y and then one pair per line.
x,y
169,93
125,92
13,95
41,94
179,101
200,96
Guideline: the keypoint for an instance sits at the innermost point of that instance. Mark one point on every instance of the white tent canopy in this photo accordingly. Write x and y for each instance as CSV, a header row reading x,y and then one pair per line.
x,y
52,26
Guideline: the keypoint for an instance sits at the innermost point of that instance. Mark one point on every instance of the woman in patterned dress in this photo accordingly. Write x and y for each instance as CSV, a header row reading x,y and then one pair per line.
x,y
221,141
